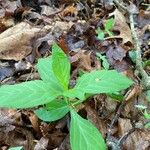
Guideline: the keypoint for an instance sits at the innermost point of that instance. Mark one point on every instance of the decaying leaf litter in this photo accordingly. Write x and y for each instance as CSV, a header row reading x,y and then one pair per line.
x,y
28,29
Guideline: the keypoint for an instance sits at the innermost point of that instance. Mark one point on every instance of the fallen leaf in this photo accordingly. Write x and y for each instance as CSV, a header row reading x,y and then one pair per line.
x,y
6,22
138,140
65,145
116,53
122,26
48,11
16,42
41,144
8,6
143,18
70,10
115,56
6,72
34,121
85,61
96,120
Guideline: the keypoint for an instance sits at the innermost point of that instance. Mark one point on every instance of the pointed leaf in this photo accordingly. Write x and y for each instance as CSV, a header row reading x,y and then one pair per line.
x,y
146,114
45,70
104,61
61,66
100,34
27,94
16,148
104,81
83,135
55,110
109,24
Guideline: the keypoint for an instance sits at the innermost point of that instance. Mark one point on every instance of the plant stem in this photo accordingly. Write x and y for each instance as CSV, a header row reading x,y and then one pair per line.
x,y
139,66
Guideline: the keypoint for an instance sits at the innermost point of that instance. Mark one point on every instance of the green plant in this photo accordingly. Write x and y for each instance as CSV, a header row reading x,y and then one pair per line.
x,y
146,115
107,29
105,63
53,92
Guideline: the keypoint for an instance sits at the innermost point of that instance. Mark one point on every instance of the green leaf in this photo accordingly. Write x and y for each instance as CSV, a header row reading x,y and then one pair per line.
x,y
27,94
147,125
74,93
55,110
16,148
148,95
109,24
116,96
61,66
104,61
132,55
100,34
83,135
146,63
104,81
45,70
146,114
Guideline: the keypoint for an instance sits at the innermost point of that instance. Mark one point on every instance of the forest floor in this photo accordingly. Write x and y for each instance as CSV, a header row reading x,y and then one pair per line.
x,y
28,28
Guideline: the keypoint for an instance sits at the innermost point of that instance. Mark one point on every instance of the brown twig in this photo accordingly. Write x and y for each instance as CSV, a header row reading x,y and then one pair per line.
x,y
120,108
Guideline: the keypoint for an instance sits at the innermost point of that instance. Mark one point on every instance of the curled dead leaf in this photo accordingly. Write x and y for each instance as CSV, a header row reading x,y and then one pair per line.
x,y
16,42
121,26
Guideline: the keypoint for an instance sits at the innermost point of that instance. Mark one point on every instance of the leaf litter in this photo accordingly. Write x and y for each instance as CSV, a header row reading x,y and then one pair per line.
x,y
28,29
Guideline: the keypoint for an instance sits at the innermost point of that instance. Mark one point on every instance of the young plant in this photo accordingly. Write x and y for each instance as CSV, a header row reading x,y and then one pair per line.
x,y
105,63
146,115
53,92
107,29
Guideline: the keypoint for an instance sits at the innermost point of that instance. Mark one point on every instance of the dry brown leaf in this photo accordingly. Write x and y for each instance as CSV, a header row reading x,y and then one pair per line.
x,y
6,22
16,42
134,92
138,140
65,145
84,61
41,144
70,10
9,116
143,18
62,25
34,121
122,26
96,120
